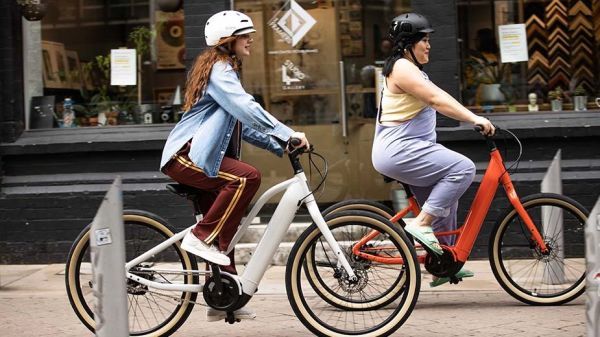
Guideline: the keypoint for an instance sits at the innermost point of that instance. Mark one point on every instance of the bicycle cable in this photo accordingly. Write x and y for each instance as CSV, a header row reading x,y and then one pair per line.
x,y
323,174
515,163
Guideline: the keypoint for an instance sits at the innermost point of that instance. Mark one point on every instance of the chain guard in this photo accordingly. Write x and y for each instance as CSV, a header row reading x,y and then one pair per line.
x,y
444,265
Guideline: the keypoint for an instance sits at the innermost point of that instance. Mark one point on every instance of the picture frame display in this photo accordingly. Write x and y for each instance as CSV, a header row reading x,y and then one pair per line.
x,y
55,73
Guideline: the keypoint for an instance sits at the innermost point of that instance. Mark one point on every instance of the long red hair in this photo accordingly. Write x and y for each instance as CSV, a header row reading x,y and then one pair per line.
x,y
198,76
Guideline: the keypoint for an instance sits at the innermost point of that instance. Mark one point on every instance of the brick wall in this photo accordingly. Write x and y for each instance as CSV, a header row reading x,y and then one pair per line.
x,y
443,68
11,72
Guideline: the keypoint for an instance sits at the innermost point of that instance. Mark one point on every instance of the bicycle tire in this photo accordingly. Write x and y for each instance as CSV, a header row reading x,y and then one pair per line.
x,y
156,230
360,204
516,262
319,316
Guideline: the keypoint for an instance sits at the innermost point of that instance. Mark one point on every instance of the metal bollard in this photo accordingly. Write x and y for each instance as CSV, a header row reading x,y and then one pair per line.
x,y
552,183
108,265
592,255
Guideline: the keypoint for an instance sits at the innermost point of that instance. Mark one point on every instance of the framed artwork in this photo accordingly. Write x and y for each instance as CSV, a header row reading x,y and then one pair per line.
x,y
169,42
73,69
55,65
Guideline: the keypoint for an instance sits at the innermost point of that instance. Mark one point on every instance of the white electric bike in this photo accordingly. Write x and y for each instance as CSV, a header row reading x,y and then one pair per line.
x,y
335,281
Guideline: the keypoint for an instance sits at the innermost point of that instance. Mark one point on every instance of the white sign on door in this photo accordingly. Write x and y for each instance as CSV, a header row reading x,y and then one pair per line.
x,y
123,68
513,43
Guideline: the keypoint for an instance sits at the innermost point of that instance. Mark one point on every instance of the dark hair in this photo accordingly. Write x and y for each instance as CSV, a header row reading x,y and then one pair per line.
x,y
398,51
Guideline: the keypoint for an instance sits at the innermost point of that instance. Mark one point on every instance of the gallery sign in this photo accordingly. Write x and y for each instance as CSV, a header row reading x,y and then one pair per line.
x,y
291,76
292,22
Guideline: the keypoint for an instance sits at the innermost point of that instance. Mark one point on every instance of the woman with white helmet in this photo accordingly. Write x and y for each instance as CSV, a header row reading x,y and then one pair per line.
x,y
203,149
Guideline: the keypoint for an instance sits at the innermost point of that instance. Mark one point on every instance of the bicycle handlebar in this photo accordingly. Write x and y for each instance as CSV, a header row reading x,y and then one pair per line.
x,y
293,146
478,128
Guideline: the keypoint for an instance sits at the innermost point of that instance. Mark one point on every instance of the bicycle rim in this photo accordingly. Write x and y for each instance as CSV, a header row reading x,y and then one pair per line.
x,y
523,270
151,312
353,312
380,283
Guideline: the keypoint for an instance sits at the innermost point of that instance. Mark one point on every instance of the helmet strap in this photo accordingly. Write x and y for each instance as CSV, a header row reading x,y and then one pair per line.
x,y
414,59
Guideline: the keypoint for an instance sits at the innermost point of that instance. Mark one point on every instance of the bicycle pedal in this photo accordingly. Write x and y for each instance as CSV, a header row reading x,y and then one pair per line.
x,y
454,280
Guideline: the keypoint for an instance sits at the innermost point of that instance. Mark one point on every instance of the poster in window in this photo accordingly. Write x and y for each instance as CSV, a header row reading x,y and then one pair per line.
x,y
55,69
170,43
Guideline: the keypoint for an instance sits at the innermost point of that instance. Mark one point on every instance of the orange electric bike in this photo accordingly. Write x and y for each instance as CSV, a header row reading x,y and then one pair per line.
x,y
536,247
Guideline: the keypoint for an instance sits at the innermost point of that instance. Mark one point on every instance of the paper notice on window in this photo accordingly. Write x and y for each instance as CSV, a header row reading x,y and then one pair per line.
x,y
513,43
123,67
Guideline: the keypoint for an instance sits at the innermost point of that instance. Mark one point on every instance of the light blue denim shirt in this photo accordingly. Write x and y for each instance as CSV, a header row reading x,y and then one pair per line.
x,y
210,122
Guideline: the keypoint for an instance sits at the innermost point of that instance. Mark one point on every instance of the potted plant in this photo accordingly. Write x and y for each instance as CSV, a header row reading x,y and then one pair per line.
x,y
101,102
579,98
141,38
490,76
556,97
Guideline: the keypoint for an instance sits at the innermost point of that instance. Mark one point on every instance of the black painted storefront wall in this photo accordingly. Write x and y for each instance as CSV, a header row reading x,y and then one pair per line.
x,y
11,72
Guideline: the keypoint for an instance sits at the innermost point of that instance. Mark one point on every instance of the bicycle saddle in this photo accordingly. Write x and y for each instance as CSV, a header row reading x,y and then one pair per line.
x,y
184,190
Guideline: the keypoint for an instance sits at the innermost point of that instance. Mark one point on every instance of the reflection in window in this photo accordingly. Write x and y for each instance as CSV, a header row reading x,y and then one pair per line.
x,y
77,39
560,44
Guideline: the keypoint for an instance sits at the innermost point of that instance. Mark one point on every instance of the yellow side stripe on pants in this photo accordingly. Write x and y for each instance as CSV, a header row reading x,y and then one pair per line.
x,y
234,200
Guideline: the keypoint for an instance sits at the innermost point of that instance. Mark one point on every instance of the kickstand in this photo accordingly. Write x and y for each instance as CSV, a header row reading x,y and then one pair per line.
x,y
231,318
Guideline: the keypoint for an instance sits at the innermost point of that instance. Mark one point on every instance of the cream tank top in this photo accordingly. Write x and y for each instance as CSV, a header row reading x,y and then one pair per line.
x,y
399,107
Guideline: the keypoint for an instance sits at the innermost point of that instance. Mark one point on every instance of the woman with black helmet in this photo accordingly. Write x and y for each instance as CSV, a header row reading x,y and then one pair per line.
x,y
405,146
203,149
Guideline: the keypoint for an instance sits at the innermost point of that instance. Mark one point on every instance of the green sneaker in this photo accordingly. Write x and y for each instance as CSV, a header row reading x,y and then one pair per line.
x,y
461,274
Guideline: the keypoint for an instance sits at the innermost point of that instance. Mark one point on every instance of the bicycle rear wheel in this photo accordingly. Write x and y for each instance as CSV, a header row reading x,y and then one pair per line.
x,y
360,204
382,298
151,312
522,269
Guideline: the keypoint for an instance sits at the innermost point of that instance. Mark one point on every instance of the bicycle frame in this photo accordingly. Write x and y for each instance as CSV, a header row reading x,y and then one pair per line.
x,y
495,174
296,189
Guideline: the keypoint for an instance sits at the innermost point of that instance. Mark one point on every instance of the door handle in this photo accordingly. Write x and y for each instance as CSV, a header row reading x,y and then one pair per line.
x,y
343,112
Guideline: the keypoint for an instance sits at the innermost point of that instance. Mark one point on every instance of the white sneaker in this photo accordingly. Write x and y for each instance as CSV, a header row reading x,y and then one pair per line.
x,y
213,315
192,244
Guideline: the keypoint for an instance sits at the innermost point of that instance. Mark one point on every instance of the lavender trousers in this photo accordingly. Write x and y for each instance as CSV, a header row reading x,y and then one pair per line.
x,y
438,177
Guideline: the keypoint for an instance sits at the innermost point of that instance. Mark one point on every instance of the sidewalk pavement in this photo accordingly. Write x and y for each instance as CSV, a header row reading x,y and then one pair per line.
x,y
33,302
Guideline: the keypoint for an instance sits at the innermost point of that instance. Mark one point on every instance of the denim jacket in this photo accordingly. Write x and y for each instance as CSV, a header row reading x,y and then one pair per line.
x,y
211,120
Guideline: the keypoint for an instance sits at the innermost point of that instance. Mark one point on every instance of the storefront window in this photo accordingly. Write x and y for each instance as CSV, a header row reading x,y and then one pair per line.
x,y
308,55
528,56
111,63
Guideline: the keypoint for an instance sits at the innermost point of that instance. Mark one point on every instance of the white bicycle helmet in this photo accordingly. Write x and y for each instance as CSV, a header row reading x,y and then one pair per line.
x,y
225,24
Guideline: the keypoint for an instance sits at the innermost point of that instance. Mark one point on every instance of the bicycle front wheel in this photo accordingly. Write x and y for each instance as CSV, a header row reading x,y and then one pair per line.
x,y
378,302
151,312
522,269
362,205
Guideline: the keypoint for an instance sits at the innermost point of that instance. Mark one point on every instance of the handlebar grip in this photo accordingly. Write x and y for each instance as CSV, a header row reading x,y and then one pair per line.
x,y
295,142
477,128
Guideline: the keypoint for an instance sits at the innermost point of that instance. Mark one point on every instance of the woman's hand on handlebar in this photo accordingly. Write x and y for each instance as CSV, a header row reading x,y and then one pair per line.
x,y
487,128
298,136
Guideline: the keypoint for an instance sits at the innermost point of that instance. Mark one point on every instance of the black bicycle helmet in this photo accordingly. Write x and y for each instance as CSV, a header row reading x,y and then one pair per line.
x,y
407,26
405,31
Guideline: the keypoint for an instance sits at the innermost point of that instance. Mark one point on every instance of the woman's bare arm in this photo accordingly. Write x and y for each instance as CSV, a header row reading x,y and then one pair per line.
x,y
407,77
